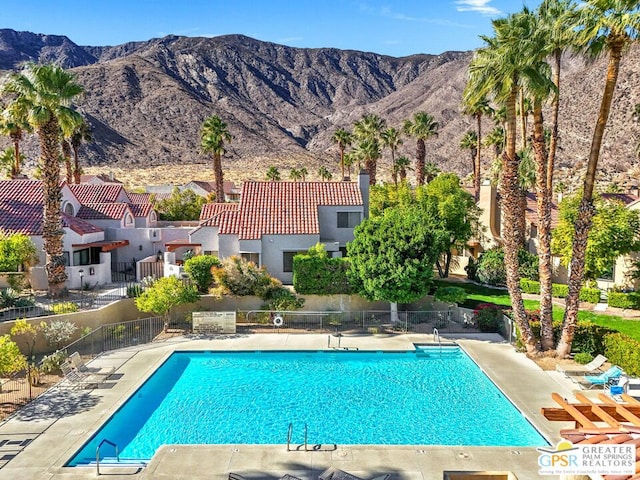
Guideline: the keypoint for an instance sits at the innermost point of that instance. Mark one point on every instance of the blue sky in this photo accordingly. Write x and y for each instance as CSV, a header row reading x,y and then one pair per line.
x,y
391,27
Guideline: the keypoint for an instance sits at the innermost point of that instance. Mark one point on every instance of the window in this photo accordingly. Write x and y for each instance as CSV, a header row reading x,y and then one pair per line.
x,y
534,231
65,258
68,209
608,274
128,219
348,219
287,260
343,250
87,256
251,257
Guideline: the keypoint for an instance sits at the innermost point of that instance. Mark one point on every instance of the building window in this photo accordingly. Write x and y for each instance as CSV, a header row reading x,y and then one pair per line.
x,y
348,219
128,220
251,257
68,209
343,250
87,256
608,274
534,231
65,259
287,260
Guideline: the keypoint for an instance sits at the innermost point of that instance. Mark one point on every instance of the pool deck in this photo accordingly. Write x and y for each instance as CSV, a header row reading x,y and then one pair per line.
x,y
45,434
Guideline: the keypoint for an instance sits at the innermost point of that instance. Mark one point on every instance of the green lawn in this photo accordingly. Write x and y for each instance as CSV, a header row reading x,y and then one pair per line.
x,y
480,294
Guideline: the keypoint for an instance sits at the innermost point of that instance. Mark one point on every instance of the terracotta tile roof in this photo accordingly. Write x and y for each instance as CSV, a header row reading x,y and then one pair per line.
x,y
285,208
532,211
102,177
21,206
78,225
211,209
140,210
139,198
100,193
206,186
625,198
103,211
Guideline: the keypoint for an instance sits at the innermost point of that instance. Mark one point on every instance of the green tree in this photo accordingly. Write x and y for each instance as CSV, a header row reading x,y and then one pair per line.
x,y
454,213
392,257
165,294
304,173
401,165
11,358
81,134
213,137
15,125
16,250
604,25
273,174
324,174
295,175
181,205
422,127
343,139
368,150
8,159
614,233
392,140
477,108
200,270
469,142
42,94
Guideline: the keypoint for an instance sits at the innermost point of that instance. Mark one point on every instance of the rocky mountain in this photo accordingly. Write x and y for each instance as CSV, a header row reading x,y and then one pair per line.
x,y
147,100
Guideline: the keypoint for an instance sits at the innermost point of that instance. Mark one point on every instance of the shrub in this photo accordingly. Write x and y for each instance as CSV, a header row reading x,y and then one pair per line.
x,y
529,286
11,359
488,317
590,338
451,295
134,291
559,290
623,351
315,273
624,300
583,358
282,299
58,331
589,295
491,269
51,363
240,277
8,298
472,269
200,268
64,307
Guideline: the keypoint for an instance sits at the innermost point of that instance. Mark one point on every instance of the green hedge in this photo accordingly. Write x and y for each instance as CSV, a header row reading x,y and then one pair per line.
x,y
623,351
588,337
624,300
560,290
320,275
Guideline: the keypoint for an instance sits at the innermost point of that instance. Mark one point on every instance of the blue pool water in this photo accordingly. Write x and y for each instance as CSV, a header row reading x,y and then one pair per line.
x,y
406,398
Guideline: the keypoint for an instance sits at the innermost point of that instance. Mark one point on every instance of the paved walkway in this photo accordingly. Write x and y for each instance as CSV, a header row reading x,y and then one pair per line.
x,y
43,436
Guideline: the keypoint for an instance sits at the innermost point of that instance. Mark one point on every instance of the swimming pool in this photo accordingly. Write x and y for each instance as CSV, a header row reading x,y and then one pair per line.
x,y
425,397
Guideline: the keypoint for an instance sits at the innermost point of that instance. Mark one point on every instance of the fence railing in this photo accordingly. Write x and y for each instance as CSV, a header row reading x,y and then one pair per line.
x,y
372,321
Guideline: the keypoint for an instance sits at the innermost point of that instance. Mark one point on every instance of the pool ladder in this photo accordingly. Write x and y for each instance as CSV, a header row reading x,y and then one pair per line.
x,y
104,440
436,336
290,434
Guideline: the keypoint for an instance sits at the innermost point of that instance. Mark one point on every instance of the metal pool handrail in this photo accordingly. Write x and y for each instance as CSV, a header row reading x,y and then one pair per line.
x,y
289,433
104,440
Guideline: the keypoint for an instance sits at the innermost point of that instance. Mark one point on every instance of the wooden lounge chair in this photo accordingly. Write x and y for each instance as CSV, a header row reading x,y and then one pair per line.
x,y
81,379
592,368
78,363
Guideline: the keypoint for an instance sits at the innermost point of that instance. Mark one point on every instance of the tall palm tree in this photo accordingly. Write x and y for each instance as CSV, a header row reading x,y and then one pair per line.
x,y
43,95
556,18
401,166
369,150
273,174
392,140
343,139
495,138
14,126
7,161
431,171
470,142
477,110
605,25
349,158
369,126
81,134
213,136
422,127
524,110
495,71
303,173
66,159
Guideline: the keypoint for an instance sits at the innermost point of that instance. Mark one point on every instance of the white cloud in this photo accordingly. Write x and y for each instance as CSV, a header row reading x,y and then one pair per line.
x,y
286,40
386,12
480,6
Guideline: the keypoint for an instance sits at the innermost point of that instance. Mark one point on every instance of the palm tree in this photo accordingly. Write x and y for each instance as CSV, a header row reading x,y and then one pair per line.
x,y
421,128
523,110
605,25
392,140
470,142
82,133
295,175
369,126
343,139
325,174
401,166
495,71
273,174
496,138
14,126
348,162
431,171
477,110
213,136
43,95
303,173
556,18
369,150
8,159
66,159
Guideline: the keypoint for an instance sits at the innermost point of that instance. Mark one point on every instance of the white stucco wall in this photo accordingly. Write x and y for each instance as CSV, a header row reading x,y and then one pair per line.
x,y
328,223
273,248
208,237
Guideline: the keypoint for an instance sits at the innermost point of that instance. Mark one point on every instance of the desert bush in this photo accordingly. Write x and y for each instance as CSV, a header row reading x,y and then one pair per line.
x,y
134,291
51,363
58,331
583,358
64,307
282,299
240,277
11,358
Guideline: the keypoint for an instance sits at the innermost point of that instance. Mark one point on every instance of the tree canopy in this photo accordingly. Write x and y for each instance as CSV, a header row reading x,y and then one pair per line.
x,y
15,250
164,294
392,256
614,232
181,205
